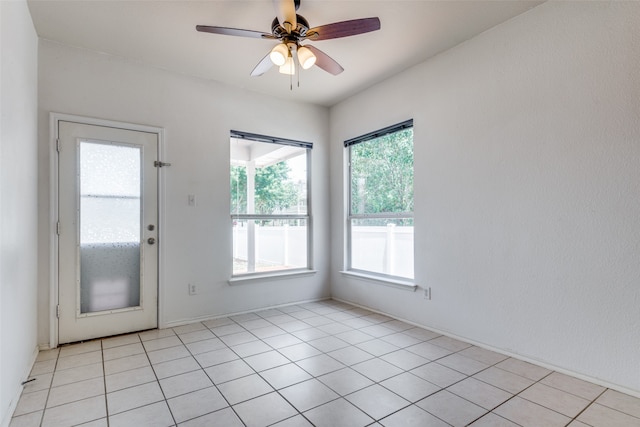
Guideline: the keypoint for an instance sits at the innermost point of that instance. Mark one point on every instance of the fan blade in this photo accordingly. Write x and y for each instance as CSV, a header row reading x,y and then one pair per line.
x,y
286,12
263,66
343,29
233,32
325,62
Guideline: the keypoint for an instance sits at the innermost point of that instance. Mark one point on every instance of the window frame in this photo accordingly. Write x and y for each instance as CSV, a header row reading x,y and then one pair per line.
x,y
350,216
308,146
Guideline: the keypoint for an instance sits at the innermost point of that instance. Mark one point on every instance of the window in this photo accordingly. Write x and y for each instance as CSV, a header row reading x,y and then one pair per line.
x,y
269,203
380,218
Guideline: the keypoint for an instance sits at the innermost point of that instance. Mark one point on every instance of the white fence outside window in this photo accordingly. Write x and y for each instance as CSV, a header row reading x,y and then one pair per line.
x,y
382,249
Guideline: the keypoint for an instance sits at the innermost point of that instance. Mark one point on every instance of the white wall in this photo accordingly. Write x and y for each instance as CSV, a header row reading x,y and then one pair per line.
x,y
18,201
527,184
197,116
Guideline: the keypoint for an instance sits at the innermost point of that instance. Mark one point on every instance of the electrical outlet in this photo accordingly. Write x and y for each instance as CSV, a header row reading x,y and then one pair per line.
x,y
427,293
192,289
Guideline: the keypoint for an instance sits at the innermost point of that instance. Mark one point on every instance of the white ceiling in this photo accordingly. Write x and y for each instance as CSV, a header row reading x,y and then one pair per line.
x,y
161,33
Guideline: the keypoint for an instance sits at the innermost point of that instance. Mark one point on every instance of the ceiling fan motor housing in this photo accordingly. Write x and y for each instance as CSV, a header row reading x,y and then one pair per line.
x,y
296,34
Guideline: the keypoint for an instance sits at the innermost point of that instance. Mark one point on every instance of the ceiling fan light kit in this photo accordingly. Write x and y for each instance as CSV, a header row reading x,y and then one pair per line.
x,y
282,56
291,29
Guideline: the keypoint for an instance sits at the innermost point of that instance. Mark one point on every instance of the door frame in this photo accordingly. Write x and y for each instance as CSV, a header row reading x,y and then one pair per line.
x,y
54,119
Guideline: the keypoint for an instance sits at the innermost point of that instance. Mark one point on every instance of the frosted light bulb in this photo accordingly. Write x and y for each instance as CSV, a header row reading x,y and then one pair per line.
x,y
306,58
279,54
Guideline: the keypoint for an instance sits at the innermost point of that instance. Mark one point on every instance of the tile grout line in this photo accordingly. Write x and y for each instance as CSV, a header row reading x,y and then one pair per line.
x,y
53,374
166,402
104,383
571,419
132,386
588,406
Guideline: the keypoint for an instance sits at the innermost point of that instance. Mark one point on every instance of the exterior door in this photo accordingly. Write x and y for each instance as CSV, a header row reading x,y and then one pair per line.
x,y
108,217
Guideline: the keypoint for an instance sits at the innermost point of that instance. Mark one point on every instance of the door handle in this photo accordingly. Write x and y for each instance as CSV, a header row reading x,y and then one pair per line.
x,y
151,240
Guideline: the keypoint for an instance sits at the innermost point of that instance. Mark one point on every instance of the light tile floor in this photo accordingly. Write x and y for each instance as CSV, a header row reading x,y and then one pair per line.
x,y
323,364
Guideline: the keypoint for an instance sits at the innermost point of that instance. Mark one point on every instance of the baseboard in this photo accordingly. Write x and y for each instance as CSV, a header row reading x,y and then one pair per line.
x,y
534,361
181,322
16,397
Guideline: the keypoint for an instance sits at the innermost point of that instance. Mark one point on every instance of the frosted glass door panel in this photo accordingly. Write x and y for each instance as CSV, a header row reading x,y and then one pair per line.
x,y
110,226
108,230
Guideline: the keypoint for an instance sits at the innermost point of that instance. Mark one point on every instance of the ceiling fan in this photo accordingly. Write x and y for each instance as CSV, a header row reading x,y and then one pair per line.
x,y
291,29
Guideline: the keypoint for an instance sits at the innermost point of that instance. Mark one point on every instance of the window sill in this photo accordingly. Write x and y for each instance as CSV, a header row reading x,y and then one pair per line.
x,y
264,277
405,285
